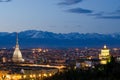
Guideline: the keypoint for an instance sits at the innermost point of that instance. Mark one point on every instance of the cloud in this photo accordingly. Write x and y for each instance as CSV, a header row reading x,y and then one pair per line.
x,y
5,0
98,15
118,11
109,17
79,10
69,2
106,15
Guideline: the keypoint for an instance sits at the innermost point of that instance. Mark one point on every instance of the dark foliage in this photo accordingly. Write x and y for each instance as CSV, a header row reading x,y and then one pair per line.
x,y
111,71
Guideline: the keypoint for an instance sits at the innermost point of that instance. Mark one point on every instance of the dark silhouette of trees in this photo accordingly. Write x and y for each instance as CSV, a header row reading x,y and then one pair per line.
x,y
110,71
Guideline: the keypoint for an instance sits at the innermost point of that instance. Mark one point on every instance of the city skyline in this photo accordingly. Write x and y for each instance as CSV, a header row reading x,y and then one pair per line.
x,y
60,16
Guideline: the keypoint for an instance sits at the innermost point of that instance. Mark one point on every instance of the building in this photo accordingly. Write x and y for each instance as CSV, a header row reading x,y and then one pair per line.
x,y
104,56
17,56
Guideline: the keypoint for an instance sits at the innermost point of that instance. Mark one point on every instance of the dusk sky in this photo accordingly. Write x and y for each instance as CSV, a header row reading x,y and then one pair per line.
x,y
60,16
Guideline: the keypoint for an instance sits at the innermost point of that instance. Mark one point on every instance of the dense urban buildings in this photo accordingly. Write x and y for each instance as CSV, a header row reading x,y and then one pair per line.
x,y
82,58
40,63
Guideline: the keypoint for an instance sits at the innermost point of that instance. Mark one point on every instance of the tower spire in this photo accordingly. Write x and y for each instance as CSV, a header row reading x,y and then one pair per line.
x,y
17,55
17,45
16,38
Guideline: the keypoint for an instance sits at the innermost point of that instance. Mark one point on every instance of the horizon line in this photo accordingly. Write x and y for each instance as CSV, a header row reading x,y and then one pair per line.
x,y
58,32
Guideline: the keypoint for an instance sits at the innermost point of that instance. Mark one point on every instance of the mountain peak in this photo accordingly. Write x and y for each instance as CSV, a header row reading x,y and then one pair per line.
x,y
35,38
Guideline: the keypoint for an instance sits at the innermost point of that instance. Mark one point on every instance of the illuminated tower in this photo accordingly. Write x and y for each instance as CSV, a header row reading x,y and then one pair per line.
x,y
17,56
105,55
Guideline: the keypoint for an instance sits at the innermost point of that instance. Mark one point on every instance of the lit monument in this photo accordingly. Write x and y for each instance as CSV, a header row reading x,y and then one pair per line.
x,y
17,56
105,55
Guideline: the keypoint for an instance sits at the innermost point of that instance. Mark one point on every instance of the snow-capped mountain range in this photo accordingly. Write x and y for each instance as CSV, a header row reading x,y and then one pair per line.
x,y
35,38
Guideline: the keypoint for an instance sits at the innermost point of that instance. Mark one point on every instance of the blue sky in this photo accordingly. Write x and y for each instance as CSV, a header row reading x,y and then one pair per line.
x,y
60,16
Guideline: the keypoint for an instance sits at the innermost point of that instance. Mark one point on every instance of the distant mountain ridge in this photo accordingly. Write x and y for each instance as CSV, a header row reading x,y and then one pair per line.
x,y
35,38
